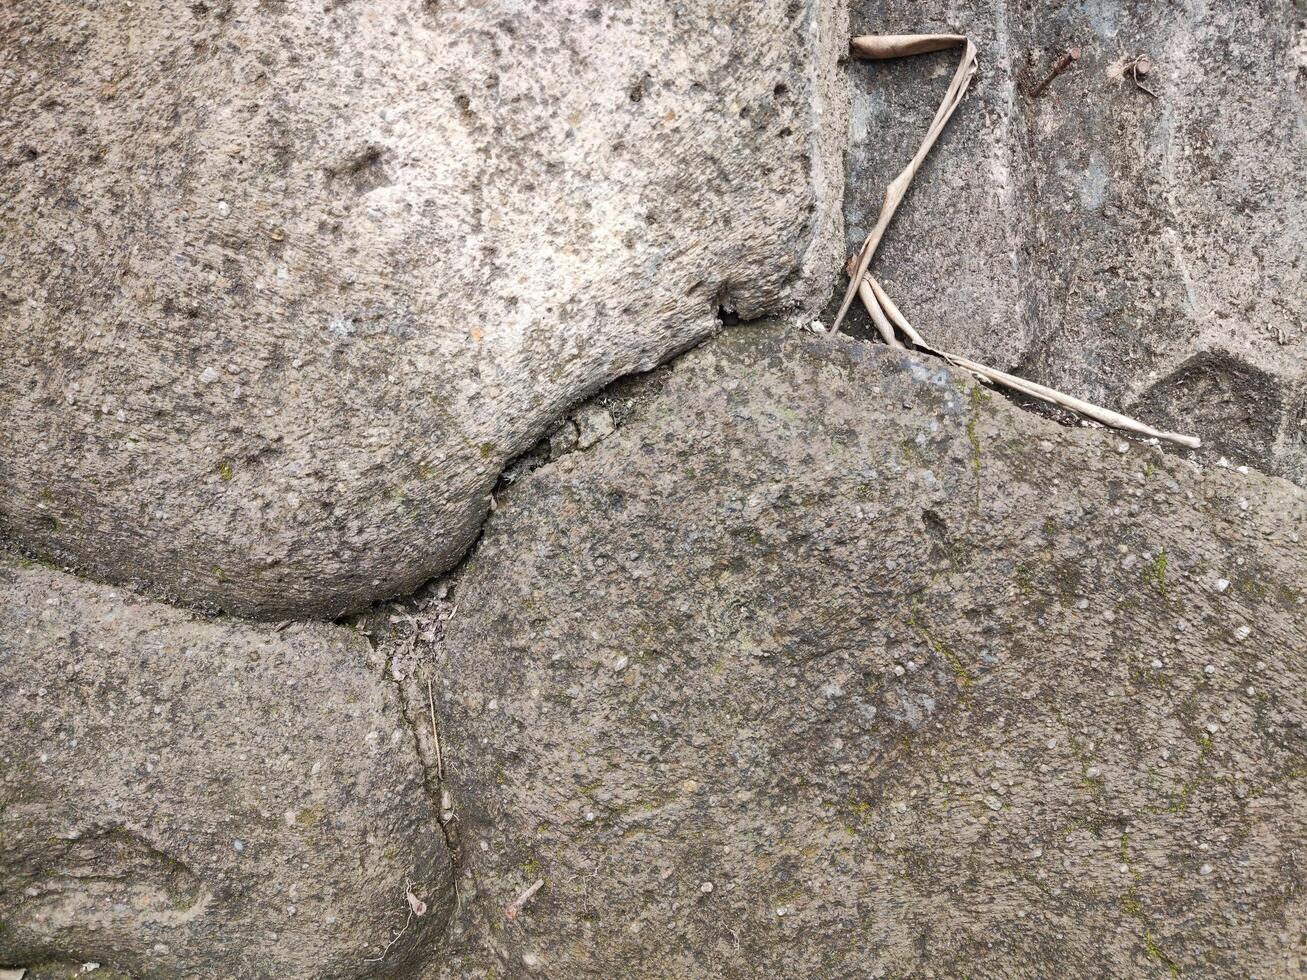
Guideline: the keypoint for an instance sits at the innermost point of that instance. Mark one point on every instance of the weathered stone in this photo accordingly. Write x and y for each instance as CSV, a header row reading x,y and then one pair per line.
x,y
1140,252
284,284
182,797
919,683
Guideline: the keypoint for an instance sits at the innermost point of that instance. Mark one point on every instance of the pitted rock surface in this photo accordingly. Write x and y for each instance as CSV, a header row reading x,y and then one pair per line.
x,y
182,797
284,284
1140,252
829,663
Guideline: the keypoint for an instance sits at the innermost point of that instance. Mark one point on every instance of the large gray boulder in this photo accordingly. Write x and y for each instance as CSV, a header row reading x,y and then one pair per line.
x,y
1136,251
182,797
285,283
830,663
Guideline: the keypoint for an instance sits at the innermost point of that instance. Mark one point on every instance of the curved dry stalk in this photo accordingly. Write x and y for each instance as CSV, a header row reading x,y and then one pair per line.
x,y
899,319
898,46
1035,390
877,314
884,313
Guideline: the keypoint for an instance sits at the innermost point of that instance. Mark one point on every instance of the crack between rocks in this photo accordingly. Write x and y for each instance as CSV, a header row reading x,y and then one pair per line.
x,y
413,707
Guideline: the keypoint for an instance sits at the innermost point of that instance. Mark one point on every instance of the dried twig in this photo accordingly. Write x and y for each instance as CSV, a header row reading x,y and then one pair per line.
x,y
519,903
1141,65
407,923
884,313
1062,64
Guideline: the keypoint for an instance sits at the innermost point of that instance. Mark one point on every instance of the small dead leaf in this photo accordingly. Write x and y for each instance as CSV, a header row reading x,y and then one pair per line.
x,y
418,906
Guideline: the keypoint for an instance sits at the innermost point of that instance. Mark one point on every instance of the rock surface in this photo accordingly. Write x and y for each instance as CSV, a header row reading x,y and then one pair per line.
x,y
829,663
285,283
182,797
1136,251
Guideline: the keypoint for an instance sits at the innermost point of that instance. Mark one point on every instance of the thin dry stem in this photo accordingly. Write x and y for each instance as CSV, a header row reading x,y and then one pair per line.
x,y
877,314
899,319
435,735
1031,388
884,313
894,46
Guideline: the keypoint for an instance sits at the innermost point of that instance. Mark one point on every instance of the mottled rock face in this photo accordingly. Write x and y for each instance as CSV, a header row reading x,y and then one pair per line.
x,y
1136,251
182,797
829,663
285,283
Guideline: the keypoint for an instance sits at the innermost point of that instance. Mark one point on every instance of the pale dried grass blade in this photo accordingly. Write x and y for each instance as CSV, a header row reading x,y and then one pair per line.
x,y
878,315
894,314
1096,412
875,47
895,46
882,310
884,306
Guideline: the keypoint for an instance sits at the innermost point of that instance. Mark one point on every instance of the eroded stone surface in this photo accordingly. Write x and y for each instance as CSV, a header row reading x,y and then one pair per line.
x,y
182,797
828,663
285,283
1140,252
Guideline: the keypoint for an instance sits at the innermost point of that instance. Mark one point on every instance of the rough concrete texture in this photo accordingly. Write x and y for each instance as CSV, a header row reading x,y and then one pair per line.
x,y
183,797
1141,252
828,663
284,283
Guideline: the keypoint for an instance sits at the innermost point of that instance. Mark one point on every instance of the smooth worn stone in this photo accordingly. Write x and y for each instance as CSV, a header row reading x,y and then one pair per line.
x,y
285,284
184,797
894,665
1138,250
